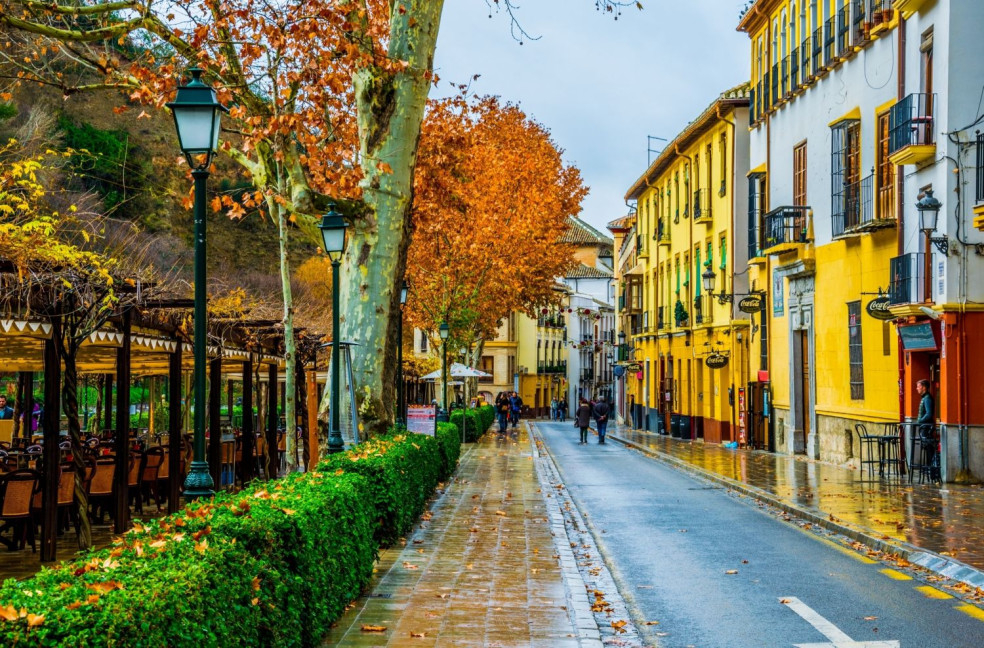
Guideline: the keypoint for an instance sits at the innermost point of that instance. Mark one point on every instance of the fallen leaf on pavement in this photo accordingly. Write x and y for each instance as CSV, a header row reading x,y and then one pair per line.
x,y
418,634
652,622
870,618
373,628
731,571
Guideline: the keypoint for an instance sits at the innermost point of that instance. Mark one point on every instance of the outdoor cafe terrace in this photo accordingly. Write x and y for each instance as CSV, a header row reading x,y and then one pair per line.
x,y
59,493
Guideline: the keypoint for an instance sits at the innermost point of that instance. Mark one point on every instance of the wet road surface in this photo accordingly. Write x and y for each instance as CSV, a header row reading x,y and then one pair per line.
x,y
716,571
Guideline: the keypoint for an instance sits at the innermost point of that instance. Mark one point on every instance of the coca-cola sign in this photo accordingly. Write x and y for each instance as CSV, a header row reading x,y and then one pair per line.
x,y
716,361
751,304
878,308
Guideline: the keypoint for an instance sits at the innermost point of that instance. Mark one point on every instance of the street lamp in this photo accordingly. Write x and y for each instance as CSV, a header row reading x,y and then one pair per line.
x,y
332,228
401,404
709,277
929,212
197,114
445,332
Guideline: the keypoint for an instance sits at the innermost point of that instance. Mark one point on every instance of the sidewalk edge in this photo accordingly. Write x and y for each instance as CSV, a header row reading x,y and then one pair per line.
x,y
931,561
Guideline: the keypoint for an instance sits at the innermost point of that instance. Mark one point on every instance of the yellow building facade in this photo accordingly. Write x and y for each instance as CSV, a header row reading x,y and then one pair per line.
x,y
688,345
822,223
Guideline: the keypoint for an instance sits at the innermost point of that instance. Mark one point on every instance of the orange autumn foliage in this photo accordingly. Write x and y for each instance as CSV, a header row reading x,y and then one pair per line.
x,y
492,197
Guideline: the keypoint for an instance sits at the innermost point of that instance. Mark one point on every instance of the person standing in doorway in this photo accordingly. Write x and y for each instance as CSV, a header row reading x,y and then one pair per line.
x,y
582,419
926,423
600,412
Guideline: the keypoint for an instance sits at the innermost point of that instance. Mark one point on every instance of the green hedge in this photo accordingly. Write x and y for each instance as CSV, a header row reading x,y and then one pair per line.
x,y
402,470
479,419
273,565
449,440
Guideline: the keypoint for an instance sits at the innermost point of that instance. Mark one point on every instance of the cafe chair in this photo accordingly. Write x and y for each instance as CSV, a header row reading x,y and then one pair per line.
x,y
67,507
133,480
101,486
17,492
152,459
870,450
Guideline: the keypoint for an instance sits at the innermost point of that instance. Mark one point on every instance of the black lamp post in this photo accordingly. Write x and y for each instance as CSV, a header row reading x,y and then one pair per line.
x,y
332,227
708,277
401,403
929,212
445,332
197,113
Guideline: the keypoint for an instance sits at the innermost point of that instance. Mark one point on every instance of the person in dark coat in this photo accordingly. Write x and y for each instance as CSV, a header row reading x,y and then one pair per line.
x,y
601,412
582,419
6,411
502,411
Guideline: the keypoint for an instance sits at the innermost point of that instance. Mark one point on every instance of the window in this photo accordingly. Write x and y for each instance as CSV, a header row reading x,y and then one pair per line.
x,y
724,164
980,167
886,170
710,170
676,191
845,175
799,175
756,209
855,349
423,342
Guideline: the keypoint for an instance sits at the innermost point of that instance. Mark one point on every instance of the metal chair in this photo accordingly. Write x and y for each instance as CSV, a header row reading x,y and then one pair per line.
x,y
871,451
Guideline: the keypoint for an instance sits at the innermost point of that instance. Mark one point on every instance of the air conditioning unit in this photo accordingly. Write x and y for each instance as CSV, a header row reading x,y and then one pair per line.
x,y
523,370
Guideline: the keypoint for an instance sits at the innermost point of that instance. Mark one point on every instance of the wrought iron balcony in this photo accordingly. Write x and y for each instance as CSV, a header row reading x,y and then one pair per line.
x,y
794,71
660,323
702,206
662,232
784,88
785,226
805,50
907,282
854,209
843,31
775,84
912,137
829,41
817,62
861,31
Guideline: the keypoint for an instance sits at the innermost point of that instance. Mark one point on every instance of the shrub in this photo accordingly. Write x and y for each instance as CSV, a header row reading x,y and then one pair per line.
x,y
478,422
402,471
449,440
272,565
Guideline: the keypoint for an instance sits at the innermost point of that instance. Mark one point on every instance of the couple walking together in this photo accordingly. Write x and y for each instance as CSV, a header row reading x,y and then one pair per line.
x,y
585,412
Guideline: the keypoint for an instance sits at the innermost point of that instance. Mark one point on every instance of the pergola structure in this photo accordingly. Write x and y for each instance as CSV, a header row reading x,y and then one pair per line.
x,y
145,340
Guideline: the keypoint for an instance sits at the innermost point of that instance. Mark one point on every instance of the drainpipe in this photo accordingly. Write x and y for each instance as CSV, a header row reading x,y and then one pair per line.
x,y
900,208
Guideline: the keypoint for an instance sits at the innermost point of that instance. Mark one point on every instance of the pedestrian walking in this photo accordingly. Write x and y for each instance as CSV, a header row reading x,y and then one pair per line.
x,y
601,412
515,408
562,408
582,419
554,404
502,410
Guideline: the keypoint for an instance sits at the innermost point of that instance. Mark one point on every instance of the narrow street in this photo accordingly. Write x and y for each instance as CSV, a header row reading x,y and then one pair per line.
x,y
718,570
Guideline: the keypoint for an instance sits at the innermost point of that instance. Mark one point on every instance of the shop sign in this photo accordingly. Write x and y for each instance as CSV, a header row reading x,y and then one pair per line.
x,y
878,308
750,304
716,361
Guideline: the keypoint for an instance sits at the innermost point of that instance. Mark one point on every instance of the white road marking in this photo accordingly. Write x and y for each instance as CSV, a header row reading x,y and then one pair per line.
x,y
838,638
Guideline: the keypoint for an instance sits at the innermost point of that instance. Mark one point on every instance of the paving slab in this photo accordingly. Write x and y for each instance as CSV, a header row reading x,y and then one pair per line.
x,y
481,569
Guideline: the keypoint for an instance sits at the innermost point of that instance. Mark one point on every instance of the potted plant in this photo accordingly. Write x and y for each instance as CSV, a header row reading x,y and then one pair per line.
x,y
680,314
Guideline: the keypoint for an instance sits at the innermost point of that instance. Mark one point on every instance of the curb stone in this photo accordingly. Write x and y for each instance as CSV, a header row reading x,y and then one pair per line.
x,y
571,536
932,562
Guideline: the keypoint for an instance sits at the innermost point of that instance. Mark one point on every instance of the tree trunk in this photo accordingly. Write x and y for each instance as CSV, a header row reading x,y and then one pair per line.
x,y
390,111
70,405
290,343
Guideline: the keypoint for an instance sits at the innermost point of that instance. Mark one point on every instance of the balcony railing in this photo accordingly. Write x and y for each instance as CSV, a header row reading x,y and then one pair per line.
x,y
587,375
860,34
817,64
784,88
785,225
911,122
702,309
702,205
853,207
766,84
906,284
775,84
829,41
660,322
805,50
662,232
794,71
843,31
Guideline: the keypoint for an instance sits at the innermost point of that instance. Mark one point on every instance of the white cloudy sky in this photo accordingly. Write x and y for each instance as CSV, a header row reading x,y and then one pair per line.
x,y
600,85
